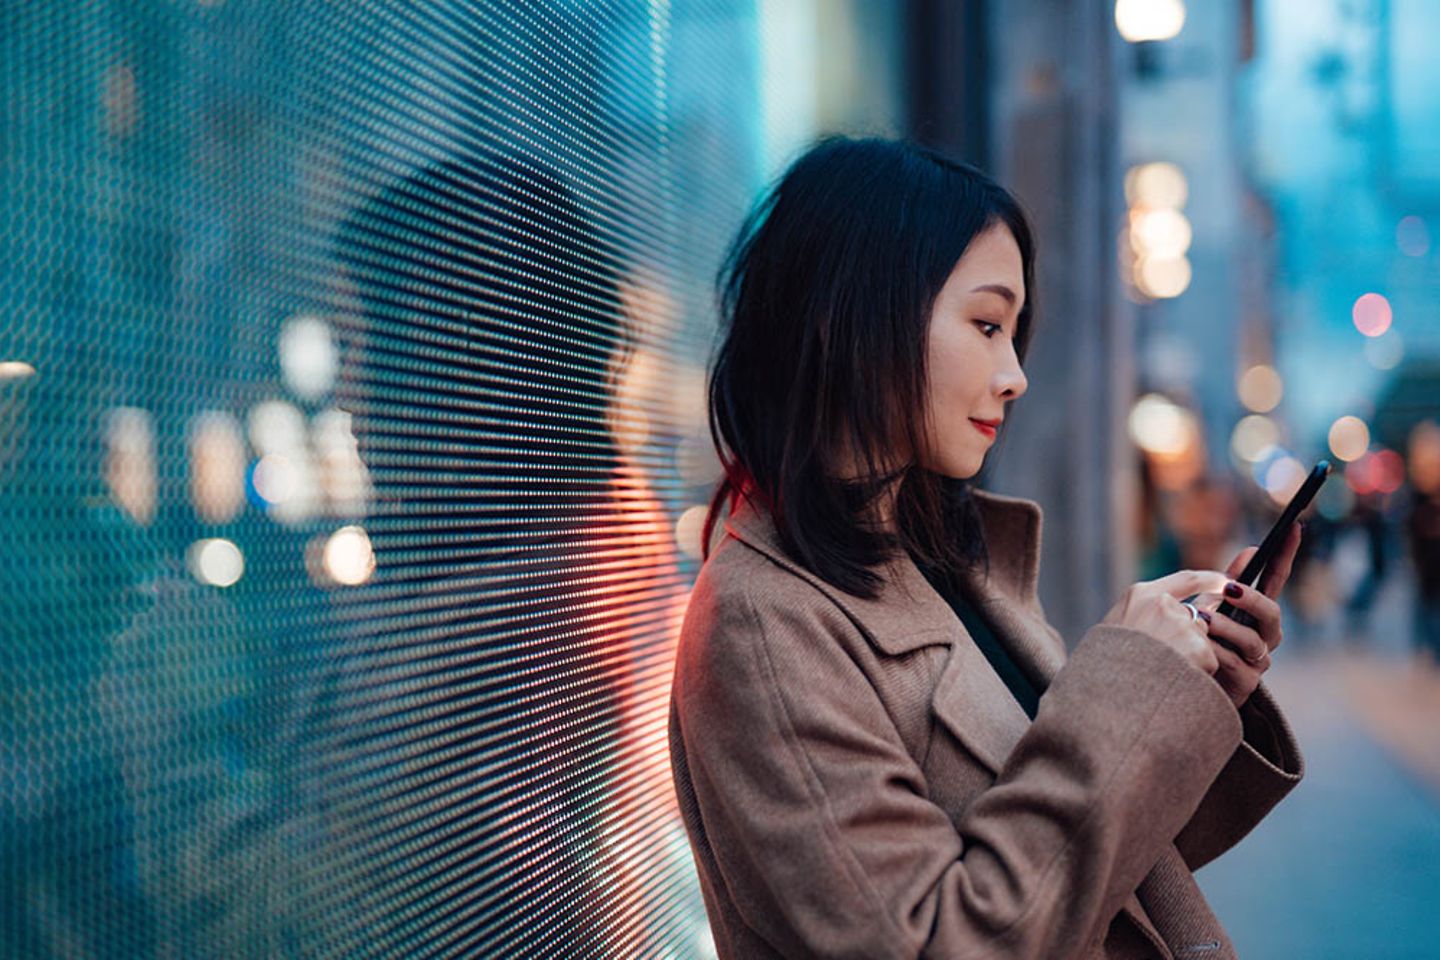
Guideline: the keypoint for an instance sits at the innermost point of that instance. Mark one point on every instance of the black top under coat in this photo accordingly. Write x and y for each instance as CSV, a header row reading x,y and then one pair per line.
x,y
1020,685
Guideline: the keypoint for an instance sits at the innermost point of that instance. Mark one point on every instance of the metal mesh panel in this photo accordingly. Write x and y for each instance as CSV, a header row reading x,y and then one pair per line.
x,y
351,431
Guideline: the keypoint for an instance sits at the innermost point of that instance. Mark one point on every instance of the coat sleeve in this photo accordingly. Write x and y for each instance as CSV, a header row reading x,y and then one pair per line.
x,y
1264,768
819,819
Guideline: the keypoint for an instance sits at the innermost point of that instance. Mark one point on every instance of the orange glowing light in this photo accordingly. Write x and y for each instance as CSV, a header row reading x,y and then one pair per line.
x,y
643,811
1157,184
1260,388
1424,448
1349,438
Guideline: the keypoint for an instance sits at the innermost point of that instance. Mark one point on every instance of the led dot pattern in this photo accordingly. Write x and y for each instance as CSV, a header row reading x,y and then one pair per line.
x,y
447,267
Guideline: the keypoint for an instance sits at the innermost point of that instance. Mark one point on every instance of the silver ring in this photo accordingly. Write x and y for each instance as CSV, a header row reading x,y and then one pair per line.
x,y
1194,611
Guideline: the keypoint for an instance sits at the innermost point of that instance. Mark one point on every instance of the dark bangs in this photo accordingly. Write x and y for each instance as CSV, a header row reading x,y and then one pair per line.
x,y
825,300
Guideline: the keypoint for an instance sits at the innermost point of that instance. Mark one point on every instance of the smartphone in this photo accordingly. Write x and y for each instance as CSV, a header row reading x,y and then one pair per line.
x,y
1273,541
1276,538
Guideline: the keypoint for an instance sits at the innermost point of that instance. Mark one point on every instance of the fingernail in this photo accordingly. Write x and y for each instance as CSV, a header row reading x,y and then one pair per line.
x,y
1233,590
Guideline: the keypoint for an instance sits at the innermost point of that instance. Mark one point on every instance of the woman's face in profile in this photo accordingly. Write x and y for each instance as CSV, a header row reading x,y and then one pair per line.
x,y
971,360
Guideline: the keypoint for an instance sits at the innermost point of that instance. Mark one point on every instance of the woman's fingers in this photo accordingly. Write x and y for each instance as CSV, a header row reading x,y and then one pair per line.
x,y
1236,677
1254,643
1265,611
1184,583
1245,639
1278,570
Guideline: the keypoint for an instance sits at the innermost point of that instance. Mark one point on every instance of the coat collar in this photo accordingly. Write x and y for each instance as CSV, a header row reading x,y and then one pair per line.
x,y
908,614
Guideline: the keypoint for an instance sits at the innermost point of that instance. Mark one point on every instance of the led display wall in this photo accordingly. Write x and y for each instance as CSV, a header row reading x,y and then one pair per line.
x,y
351,447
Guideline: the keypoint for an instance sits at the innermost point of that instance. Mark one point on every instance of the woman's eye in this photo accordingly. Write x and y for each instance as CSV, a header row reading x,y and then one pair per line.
x,y
989,329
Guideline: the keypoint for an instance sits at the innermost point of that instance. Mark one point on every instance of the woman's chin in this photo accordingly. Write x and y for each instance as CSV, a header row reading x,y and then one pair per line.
x,y
960,471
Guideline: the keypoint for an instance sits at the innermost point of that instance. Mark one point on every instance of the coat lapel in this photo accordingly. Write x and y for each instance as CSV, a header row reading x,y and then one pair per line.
x,y
969,698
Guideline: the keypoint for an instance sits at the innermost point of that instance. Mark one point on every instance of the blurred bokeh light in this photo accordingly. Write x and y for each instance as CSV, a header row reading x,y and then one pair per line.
x,y
349,558
216,562
1156,185
1349,438
1261,388
1140,20
15,370
1372,314
1254,437
217,466
1412,236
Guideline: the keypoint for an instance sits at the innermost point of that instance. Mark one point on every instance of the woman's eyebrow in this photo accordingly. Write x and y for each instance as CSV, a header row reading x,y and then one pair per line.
x,y
999,288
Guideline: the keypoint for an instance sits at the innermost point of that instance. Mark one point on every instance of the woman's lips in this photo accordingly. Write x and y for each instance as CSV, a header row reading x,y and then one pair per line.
x,y
983,427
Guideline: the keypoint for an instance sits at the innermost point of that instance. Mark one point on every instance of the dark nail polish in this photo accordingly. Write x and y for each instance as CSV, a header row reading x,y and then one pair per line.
x,y
1233,591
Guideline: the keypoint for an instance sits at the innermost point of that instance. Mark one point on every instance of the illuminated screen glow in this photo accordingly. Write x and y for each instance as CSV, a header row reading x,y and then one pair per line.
x,y
351,399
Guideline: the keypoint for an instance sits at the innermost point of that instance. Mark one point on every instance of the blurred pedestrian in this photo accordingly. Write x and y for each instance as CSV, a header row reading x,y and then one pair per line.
x,y
1423,533
1367,516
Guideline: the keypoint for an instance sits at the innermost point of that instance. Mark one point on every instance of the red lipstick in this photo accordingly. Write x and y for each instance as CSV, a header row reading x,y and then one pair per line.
x,y
987,427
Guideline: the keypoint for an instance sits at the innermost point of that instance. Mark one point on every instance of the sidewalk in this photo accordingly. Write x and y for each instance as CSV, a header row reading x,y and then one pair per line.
x,y
1348,865
1398,704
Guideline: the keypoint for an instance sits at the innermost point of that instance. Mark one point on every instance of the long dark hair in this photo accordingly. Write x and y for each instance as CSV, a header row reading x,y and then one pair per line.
x,y
825,300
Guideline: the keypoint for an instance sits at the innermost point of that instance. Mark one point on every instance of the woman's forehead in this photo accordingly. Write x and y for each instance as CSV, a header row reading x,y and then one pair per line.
x,y
990,268
995,251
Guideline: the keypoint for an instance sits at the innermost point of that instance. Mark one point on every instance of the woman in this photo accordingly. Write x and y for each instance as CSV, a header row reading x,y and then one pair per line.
x,y
881,747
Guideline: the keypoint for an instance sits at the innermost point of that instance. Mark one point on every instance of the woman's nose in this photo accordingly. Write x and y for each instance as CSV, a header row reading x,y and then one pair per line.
x,y
1011,383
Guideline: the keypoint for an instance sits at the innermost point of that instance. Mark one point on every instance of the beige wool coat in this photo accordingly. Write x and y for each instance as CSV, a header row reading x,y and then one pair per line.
x,y
856,780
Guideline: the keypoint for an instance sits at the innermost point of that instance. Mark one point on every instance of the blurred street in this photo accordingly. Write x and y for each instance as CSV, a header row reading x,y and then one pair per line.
x,y
1345,866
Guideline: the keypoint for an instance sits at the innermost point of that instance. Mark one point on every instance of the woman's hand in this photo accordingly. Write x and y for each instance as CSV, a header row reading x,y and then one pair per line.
x,y
1237,675
1154,607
